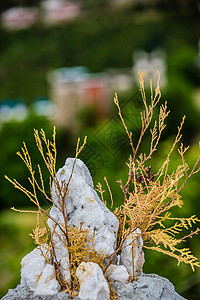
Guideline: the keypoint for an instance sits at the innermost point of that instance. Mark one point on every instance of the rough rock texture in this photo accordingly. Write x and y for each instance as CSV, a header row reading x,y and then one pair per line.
x,y
47,283
117,273
132,257
93,285
85,207
37,275
32,266
148,287
24,293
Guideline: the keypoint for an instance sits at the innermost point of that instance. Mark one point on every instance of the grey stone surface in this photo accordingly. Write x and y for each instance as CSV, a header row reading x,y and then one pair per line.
x,y
24,293
148,287
132,256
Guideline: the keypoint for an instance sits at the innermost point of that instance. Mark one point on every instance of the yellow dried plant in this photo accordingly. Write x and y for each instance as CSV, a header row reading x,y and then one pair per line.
x,y
148,196
76,240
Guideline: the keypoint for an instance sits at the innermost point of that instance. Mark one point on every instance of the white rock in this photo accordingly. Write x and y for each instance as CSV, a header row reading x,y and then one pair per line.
x,y
47,283
37,274
117,273
132,256
60,248
62,257
33,265
93,285
85,207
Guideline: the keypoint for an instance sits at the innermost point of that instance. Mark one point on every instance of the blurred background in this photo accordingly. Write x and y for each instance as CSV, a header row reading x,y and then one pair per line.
x,y
60,64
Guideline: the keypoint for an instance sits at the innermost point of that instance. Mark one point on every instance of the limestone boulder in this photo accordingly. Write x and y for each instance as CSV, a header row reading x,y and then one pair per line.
x,y
117,273
32,266
47,283
93,285
84,206
37,274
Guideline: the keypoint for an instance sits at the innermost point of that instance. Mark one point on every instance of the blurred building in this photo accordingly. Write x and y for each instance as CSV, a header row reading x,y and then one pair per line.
x,y
50,12
19,17
120,80
73,89
55,11
43,107
17,110
13,111
150,63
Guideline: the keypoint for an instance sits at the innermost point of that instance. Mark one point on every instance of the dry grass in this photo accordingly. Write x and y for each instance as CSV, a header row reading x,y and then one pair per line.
x,y
147,196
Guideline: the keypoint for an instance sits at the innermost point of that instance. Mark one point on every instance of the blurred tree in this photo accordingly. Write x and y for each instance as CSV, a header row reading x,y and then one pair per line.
x,y
94,4
12,135
184,6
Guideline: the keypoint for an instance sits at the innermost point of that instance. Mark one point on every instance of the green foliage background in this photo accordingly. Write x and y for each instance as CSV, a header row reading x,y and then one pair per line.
x,y
100,40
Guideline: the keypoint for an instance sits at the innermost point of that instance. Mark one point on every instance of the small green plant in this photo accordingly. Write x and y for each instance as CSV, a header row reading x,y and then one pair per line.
x,y
148,198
